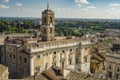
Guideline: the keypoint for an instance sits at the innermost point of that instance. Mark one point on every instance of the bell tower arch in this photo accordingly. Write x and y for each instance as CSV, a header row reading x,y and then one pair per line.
x,y
48,22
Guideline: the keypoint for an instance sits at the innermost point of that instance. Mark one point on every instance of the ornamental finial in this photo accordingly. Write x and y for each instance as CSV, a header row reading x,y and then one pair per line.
x,y
48,6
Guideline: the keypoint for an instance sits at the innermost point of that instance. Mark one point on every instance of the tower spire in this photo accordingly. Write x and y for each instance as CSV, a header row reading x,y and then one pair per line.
x,y
48,6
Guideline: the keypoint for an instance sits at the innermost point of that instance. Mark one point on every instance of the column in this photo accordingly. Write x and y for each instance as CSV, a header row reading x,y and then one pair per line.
x,y
58,60
73,59
31,66
44,61
51,59
67,56
82,60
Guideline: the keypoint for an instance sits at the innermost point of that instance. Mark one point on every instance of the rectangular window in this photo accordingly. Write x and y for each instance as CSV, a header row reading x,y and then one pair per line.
x,y
38,56
76,49
25,60
62,65
38,69
110,74
85,58
70,50
70,62
54,52
13,49
14,56
46,54
10,49
46,66
20,57
44,30
10,55
50,30
76,60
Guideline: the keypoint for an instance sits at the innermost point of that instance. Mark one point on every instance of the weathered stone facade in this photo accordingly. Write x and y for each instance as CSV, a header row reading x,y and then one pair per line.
x,y
113,66
48,23
27,56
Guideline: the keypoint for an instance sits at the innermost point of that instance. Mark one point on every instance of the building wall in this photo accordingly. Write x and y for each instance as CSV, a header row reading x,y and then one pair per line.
x,y
113,66
2,54
30,58
55,57
17,61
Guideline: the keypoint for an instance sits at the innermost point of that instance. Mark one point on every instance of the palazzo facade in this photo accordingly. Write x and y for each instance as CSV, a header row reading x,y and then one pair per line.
x,y
26,56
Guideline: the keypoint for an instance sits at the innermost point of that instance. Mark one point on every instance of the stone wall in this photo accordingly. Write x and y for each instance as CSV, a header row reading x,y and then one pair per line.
x,y
113,66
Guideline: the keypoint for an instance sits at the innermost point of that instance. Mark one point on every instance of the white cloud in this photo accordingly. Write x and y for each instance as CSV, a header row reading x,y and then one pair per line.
x,y
91,7
81,1
112,12
86,9
63,9
25,9
18,4
18,8
6,1
79,5
58,9
114,5
28,9
4,7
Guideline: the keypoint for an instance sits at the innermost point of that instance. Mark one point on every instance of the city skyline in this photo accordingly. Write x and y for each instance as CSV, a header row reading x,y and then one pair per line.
x,y
109,9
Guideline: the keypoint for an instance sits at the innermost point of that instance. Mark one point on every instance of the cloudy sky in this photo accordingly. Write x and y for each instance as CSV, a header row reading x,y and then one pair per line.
x,y
63,8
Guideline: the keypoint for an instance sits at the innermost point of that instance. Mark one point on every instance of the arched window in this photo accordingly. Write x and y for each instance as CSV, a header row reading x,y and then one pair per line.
x,y
118,69
25,60
45,20
51,20
50,30
62,65
70,61
46,66
110,66
86,58
54,52
38,68
76,60
44,30
70,50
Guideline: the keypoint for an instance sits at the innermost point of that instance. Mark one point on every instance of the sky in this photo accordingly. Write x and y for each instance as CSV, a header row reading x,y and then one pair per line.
x,y
103,9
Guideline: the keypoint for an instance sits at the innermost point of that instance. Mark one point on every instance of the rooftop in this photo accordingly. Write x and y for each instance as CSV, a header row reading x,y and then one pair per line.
x,y
50,74
80,76
2,69
29,40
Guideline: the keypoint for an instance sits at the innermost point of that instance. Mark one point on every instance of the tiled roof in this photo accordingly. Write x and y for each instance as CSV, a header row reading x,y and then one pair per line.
x,y
50,74
80,76
103,46
53,74
36,77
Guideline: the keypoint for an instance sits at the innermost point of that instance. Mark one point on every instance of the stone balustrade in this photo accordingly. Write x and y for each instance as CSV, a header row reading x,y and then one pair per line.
x,y
43,46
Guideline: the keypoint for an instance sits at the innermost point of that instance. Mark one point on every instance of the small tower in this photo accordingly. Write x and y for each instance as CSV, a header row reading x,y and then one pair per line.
x,y
85,55
48,22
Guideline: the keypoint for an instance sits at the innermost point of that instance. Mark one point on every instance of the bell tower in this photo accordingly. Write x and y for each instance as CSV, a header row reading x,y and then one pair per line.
x,y
48,22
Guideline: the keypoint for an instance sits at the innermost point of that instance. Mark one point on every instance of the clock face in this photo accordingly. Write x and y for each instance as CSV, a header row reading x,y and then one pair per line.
x,y
51,25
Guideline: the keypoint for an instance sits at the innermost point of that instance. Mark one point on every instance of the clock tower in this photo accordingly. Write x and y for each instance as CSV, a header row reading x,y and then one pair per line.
x,y
47,27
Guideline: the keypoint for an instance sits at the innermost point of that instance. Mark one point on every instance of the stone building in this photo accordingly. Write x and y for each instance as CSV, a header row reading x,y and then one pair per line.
x,y
3,72
113,63
26,56
113,66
